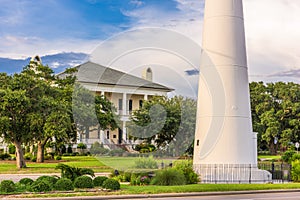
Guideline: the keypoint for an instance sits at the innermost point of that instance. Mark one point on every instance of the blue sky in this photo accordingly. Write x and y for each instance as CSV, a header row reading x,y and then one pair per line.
x,y
52,26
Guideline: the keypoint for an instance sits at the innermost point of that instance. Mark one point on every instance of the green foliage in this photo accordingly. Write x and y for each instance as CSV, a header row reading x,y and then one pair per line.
x,y
73,172
26,181
296,171
275,114
64,184
145,148
50,179
295,157
170,122
186,167
57,157
98,181
169,176
111,184
28,156
11,149
146,163
7,186
4,156
287,156
40,186
83,182
81,146
98,149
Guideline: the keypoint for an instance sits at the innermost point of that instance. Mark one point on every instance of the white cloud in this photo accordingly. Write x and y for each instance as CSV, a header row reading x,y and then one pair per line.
x,y
273,35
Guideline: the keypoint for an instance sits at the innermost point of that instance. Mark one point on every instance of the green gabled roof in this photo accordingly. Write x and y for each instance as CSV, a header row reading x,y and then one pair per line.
x,y
90,72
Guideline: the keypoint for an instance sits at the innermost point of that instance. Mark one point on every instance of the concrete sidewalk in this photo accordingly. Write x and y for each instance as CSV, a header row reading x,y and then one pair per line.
x,y
146,196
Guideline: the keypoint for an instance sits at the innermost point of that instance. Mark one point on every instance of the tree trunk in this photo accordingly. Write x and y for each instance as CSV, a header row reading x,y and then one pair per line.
x,y
19,156
272,148
40,152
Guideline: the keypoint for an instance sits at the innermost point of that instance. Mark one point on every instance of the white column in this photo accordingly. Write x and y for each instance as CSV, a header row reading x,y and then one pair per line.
x,y
146,97
124,136
124,106
102,93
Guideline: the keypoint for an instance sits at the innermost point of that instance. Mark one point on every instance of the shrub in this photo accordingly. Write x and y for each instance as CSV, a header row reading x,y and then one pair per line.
x,y
111,184
295,157
287,156
98,181
73,172
296,171
27,156
98,148
64,184
187,168
83,182
57,157
116,152
50,179
26,181
169,176
7,186
33,159
146,163
40,186
144,180
11,149
69,149
4,156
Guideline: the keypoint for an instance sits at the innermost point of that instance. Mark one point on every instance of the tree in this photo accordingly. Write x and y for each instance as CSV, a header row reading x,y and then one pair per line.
x,y
169,122
90,110
50,117
276,114
15,106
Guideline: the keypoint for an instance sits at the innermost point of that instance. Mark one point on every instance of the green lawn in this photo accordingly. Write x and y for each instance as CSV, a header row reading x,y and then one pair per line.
x,y
128,163
269,157
98,164
9,167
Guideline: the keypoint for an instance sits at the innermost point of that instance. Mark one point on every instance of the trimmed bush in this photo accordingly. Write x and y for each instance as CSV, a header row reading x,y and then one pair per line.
x,y
111,184
64,184
40,186
7,186
83,182
50,179
169,176
98,181
26,181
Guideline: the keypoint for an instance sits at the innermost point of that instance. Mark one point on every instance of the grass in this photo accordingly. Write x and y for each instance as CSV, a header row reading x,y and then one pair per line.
x,y
269,157
127,163
9,167
98,164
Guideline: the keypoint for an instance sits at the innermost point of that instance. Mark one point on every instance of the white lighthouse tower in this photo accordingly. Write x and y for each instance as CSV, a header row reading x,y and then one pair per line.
x,y
225,146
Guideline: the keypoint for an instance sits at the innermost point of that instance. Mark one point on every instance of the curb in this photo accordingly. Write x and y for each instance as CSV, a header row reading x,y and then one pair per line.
x,y
165,195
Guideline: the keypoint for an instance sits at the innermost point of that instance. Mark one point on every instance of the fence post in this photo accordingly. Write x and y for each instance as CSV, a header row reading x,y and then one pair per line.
x,y
273,169
250,174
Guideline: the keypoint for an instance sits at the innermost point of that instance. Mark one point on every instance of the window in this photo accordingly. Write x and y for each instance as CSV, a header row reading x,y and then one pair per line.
x,y
114,136
130,105
141,103
120,104
107,134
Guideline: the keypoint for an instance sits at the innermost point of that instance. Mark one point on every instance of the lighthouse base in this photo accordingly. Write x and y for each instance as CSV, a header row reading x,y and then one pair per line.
x,y
232,173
